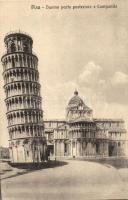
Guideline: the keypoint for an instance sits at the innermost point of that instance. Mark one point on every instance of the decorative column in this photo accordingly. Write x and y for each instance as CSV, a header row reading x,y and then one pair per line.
x,y
71,148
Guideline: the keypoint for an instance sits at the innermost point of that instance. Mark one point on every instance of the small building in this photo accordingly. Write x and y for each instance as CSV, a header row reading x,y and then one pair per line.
x,y
4,153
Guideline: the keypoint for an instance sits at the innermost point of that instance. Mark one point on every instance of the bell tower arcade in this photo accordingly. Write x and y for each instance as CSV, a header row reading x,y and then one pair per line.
x,y
27,141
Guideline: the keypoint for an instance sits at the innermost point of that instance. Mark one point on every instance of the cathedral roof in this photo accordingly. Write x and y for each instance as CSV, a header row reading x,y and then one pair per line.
x,y
76,101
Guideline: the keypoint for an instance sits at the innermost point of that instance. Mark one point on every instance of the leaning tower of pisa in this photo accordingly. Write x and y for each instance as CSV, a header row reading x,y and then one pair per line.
x,y
27,142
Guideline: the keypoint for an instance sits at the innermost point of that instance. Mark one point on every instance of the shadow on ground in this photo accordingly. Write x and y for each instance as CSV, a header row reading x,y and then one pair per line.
x,y
27,168
118,163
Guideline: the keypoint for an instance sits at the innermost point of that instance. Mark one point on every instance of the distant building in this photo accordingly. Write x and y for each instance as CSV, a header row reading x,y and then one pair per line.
x,y
4,153
81,135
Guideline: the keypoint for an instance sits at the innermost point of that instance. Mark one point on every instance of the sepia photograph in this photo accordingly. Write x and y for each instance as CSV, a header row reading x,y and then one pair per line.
x,y
63,99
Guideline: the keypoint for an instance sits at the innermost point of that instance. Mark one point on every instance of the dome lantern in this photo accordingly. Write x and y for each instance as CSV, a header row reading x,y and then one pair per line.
x,y
76,93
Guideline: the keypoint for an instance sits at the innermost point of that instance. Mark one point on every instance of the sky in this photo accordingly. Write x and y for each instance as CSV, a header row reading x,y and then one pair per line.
x,y
83,49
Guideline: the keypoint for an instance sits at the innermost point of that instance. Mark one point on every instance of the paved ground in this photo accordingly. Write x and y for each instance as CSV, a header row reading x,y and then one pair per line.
x,y
74,180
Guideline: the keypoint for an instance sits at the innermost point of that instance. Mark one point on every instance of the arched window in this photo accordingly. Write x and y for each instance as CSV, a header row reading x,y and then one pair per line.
x,y
23,128
13,47
119,144
18,115
13,62
16,101
28,61
25,47
20,100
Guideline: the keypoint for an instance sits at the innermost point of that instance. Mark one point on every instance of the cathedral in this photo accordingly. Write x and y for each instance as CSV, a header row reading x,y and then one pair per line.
x,y
81,135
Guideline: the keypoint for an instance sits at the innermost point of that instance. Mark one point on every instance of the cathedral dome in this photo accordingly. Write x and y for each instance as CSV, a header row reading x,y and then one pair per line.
x,y
77,109
76,101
